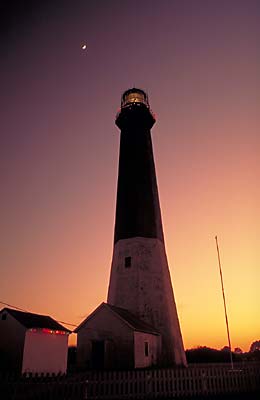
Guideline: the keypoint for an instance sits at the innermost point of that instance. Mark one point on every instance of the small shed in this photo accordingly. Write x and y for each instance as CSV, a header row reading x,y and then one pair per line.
x,y
113,338
32,343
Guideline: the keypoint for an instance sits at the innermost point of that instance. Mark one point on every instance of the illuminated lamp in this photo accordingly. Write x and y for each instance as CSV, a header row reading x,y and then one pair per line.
x,y
60,332
45,330
50,331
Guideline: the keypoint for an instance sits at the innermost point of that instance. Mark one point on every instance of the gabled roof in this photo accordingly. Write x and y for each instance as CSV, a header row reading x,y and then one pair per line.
x,y
126,316
136,323
31,320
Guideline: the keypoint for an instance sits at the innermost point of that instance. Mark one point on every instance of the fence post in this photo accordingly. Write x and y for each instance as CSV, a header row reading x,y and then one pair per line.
x,y
204,385
148,384
86,390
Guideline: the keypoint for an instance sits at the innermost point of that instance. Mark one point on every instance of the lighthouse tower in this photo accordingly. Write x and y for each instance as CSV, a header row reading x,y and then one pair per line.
x,y
140,280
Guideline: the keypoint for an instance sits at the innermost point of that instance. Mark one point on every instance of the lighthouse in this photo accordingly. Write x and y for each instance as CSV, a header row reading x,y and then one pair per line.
x,y
140,281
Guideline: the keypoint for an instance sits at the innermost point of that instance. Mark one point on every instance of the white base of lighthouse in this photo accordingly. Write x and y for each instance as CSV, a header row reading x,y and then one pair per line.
x,y
140,282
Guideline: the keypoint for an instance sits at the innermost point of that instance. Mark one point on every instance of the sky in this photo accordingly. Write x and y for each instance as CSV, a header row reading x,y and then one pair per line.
x,y
199,61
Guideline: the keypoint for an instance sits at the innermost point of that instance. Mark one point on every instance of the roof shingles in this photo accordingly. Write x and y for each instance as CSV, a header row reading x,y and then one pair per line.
x,y
30,320
136,323
126,316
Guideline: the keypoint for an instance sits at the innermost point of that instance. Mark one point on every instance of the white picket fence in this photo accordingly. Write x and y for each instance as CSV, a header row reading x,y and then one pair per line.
x,y
195,381
172,383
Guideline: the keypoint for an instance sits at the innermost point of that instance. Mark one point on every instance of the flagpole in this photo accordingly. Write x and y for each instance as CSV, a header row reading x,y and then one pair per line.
x,y
224,301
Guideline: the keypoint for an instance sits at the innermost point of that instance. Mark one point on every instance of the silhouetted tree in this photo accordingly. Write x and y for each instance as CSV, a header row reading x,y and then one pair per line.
x,y
226,348
255,346
238,350
253,355
205,354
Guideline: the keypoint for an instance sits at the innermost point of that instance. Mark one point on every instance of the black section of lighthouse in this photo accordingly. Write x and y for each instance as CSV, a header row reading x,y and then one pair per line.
x,y
140,280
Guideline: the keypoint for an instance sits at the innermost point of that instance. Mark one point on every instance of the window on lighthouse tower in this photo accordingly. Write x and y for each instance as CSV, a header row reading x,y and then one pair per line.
x,y
146,349
128,261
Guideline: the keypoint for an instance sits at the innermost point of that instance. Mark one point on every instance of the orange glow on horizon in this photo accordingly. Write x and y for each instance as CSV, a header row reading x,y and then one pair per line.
x,y
199,64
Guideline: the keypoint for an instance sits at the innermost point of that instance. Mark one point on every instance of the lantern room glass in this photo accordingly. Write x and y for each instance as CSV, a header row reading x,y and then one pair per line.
x,y
134,97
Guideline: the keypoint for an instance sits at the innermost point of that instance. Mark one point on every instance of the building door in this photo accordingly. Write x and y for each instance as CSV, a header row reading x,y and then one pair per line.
x,y
98,354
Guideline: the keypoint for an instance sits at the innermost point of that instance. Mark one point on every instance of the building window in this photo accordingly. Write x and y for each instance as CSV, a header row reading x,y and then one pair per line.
x,y
146,349
128,262
4,316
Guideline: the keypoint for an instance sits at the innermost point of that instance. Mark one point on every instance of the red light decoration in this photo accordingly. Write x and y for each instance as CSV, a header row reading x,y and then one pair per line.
x,y
49,331
60,333
45,330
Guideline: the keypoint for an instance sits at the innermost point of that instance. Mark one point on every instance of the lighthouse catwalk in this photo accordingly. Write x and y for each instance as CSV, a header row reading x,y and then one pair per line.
x,y
140,280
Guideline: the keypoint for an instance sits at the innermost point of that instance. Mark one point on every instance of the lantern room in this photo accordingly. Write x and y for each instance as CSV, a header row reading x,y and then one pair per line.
x,y
134,96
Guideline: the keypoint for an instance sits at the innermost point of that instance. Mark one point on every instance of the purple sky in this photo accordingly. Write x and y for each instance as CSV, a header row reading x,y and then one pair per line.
x,y
199,62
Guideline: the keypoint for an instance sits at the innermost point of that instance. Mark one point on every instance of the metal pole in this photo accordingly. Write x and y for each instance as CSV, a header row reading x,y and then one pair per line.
x,y
225,308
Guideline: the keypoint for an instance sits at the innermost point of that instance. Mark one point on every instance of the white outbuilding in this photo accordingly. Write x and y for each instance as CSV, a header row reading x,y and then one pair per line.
x,y
113,338
32,343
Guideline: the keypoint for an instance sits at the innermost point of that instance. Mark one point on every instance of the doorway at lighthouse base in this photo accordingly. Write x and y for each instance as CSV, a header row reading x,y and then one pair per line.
x,y
113,338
